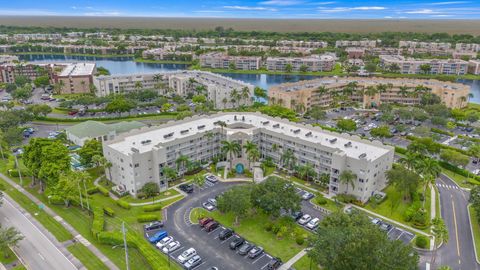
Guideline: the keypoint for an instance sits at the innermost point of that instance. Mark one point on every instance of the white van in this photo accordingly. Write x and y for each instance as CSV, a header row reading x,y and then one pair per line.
x,y
186,255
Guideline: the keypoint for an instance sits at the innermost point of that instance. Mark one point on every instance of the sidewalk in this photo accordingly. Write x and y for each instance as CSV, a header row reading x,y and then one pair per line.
x,y
67,226
293,260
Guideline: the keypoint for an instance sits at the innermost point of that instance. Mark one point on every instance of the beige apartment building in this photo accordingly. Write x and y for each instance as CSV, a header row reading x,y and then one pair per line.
x,y
323,92
139,157
76,78
356,43
437,66
473,47
312,63
301,43
474,67
425,45
220,60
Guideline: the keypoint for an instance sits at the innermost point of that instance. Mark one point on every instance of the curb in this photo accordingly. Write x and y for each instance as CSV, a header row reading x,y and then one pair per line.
x,y
471,231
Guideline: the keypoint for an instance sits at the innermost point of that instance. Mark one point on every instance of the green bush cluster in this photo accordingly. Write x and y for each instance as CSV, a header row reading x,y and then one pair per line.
x,y
123,204
441,131
108,211
104,191
98,224
147,217
321,200
56,200
421,241
152,207
459,171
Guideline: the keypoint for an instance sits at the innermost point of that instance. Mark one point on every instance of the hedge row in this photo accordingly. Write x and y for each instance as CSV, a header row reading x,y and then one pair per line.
x,y
152,207
114,238
73,120
147,217
108,211
459,171
441,131
441,146
104,191
98,223
123,204
92,190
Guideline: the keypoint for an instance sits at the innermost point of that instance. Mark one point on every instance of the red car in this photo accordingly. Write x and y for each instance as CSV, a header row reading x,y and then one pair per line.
x,y
204,221
72,112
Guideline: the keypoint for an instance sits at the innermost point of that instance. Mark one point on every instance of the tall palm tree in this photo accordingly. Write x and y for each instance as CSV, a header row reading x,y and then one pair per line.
x,y
245,93
225,101
411,160
429,169
230,149
347,177
182,162
371,91
321,90
250,146
440,232
272,100
253,156
288,159
138,85
382,88
403,90
234,96
209,135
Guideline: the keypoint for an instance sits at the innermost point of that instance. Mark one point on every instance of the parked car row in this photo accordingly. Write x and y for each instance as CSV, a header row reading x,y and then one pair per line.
x,y
210,204
239,244
309,222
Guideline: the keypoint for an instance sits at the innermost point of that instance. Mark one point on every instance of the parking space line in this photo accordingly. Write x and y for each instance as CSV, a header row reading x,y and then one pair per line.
x,y
263,255
227,239
199,265
264,266
270,257
213,230
173,252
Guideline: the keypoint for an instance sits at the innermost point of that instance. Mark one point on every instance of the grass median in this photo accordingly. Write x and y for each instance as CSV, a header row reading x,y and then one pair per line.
x,y
89,260
475,225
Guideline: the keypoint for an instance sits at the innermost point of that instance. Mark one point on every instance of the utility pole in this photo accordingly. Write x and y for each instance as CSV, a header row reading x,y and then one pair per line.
x,y
125,244
86,195
18,169
80,194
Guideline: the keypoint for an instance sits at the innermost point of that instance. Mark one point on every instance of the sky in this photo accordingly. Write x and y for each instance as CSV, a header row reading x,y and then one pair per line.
x,y
280,9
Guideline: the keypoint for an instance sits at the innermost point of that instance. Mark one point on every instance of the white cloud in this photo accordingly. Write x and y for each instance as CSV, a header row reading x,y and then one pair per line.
x,y
422,11
441,15
103,13
346,9
449,3
388,17
208,11
28,12
249,8
281,2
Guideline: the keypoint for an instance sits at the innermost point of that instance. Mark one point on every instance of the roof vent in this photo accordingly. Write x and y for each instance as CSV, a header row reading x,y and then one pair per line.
x,y
134,150
146,142
184,131
266,123
276,125
201,127
235,118
296,131
308,134
333,140
349,144
168,135
363,155
243,118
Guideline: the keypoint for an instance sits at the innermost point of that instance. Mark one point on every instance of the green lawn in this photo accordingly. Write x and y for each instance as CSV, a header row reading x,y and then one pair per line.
x,y
89,260
305,264
252,229
165,194
7,256
475,229
268,170
394,207
330,205
459,179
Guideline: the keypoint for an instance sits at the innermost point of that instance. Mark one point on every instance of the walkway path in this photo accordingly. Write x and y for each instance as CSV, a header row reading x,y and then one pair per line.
x,y
293,260
67,226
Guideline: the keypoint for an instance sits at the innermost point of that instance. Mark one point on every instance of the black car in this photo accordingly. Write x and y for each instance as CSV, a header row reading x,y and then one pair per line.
x,y
153,225
225,234
245,248
237,241
274,263
296,215
188,188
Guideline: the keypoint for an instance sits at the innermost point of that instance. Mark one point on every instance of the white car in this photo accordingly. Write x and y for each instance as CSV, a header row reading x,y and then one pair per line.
x,y
186,255
312,224
208,206
212,201
165,241
304,219
172,246
376,221
193,262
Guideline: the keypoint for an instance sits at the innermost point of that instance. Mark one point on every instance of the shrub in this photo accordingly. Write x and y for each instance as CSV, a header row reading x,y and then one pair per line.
x,y
269,226
346,198
147,218
108,211
103,190
92,190
123,204
98,223
113,238
56,200
421,241
400,150
299,240
321,200
152,207
275,228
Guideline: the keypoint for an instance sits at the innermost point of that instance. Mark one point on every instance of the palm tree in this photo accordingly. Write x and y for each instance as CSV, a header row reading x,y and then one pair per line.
x,y
225,101
245,93
252,150
321,90
429,169
138,85
182,162
382,88
347,177
169,173
9,238
83,83
293,102
371,91
234,96
288,159
272,100
253,156
403,90
440,232
209,135
157,77
230,149
411,160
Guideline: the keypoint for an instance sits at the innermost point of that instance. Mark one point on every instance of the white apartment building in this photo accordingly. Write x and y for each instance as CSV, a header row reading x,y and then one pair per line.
x,y
223,61
138,157
356,43
219,88
301,43
37,36
474,67
312,63
166,53
412,66
473,47
425,45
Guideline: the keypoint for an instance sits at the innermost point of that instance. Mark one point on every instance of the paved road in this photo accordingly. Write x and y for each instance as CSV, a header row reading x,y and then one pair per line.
x,y
36,250
458,253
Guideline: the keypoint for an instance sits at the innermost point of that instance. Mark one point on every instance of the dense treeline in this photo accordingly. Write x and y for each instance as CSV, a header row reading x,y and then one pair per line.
x,y
388,38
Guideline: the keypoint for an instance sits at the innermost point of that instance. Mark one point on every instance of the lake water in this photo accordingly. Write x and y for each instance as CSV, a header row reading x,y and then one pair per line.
x,y
126,65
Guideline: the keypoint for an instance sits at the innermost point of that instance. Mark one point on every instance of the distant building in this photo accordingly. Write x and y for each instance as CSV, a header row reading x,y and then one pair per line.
x,y
464,55
425,45
311,63
8,59
218,60
437,66
356,43
355,53
76,78
474,67
93,130
467,47
301,43
166,54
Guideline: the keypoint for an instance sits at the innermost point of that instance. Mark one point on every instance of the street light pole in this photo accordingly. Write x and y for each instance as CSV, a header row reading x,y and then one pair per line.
x,y
86,195
18,169
126,247
80,194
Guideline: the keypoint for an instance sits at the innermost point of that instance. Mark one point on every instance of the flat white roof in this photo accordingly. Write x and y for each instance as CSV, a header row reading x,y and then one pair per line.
x,y
146,140
78,69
